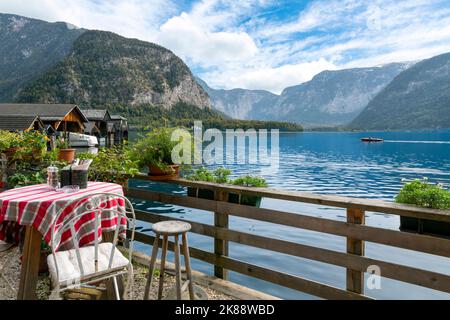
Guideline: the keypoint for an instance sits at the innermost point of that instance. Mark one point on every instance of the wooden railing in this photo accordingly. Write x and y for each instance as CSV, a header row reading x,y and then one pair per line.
x,y
354,230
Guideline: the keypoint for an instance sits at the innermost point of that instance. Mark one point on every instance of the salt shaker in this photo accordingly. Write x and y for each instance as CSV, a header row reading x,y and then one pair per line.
x,y
52,177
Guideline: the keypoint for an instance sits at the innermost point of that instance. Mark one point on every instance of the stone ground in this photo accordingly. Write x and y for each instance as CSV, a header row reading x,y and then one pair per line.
x,y
10,275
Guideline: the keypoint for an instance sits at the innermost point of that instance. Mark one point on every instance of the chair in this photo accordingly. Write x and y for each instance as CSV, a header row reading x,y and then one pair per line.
x,y
89,260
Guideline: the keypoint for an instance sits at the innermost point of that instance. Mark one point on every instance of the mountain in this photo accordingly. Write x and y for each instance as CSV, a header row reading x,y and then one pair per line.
x,y
418,98
333,98
239,103
28,48
105,69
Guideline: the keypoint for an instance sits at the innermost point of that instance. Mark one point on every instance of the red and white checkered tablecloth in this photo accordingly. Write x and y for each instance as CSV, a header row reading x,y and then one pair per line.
x,y
38,206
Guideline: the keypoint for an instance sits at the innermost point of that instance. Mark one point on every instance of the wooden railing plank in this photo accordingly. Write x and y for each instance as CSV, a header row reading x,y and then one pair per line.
x,y
277,277
191,202
221,246
355,278
403,273
325,200
404,240
411,241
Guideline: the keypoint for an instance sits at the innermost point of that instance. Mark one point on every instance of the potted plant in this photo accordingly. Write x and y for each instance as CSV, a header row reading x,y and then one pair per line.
x,y
248,181
10,143
33,146
219,175
154,151
425,194
65,153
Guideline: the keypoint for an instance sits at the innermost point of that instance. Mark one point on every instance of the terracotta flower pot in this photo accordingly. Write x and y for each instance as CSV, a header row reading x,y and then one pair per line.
x,y
161,174
67,155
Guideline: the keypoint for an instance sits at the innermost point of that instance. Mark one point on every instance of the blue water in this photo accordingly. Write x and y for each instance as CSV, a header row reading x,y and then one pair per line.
x,y
330,163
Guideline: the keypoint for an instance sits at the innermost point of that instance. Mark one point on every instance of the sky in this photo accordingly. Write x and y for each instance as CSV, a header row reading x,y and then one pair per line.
x,y
264,44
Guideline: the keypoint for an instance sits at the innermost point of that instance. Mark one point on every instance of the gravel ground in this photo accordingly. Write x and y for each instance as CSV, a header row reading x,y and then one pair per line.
x,y
10,275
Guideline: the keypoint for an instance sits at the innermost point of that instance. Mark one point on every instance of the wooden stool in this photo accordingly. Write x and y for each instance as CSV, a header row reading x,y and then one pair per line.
x,y
166,229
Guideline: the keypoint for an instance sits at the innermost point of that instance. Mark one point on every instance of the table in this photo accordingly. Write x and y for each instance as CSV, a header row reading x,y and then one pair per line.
x,y
35,208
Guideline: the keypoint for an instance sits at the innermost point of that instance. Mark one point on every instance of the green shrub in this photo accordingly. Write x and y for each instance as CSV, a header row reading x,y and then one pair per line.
x,y
8,140
424,194
26,178
113,164
250,181
219,175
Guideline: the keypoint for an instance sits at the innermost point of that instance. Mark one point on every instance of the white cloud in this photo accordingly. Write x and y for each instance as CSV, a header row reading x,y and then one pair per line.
x,y
189,40
129,18
273,79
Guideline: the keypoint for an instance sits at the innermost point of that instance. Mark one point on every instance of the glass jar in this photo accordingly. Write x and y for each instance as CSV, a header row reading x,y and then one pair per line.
x,y
52,177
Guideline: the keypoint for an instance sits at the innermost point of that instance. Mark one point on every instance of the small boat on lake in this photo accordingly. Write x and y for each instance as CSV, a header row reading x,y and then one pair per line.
x,y
370,139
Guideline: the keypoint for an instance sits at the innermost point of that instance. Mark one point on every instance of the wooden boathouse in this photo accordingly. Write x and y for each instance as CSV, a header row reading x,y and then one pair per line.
x,y
61,117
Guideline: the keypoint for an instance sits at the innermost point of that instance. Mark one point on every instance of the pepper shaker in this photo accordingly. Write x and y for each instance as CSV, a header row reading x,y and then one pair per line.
x,y
52,177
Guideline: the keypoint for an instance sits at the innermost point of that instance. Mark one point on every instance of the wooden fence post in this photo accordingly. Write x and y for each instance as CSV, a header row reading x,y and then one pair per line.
x,y
220,246
355,279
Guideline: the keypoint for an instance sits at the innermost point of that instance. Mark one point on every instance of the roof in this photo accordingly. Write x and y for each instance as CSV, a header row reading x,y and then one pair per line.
x,y
47,112
118,117
96,114
17,122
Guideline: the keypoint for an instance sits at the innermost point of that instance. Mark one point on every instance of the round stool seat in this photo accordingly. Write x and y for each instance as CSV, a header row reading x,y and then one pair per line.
x,y
171,227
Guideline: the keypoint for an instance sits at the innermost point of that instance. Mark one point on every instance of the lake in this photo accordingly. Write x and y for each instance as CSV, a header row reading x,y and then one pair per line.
x,y
330,163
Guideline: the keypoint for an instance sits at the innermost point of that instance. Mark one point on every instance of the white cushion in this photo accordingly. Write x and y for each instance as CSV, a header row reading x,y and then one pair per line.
x,y
68,264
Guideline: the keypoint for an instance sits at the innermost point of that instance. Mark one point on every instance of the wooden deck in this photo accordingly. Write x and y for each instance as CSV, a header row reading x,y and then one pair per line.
x,y
354,230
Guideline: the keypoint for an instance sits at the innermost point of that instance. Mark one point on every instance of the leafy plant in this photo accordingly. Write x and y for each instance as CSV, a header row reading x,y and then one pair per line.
x,y
250,181
155,148
62,143
33,145
425,194
22,179
202,174
221,175
112,164
9,140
